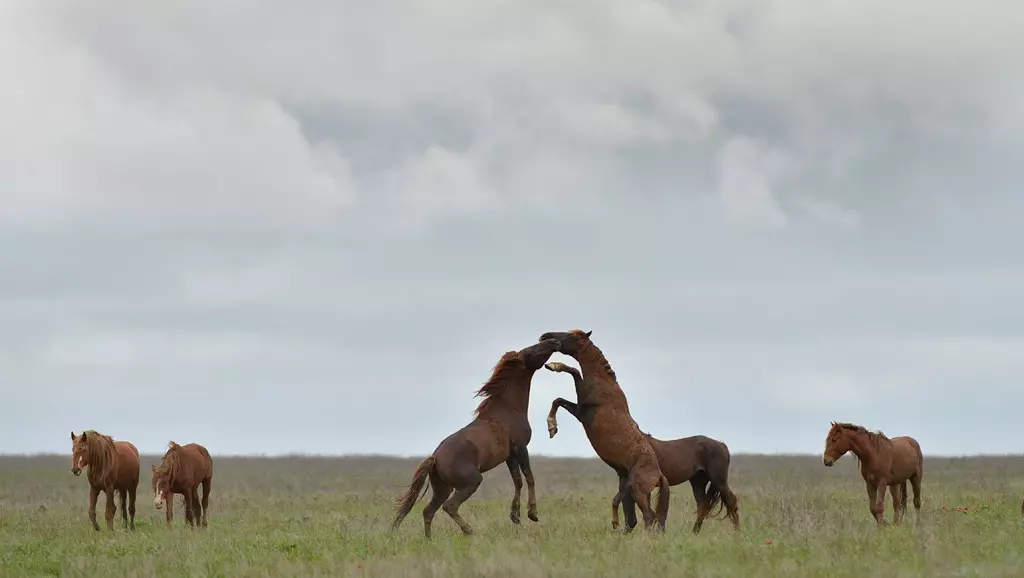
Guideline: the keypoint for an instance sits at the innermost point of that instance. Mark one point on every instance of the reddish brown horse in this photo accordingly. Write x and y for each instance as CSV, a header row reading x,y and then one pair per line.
x,y
700,460
602,408
112,466
500,433
181,471
883,462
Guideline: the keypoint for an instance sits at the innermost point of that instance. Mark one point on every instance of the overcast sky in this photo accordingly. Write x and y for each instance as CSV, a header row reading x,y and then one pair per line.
x,y
275,228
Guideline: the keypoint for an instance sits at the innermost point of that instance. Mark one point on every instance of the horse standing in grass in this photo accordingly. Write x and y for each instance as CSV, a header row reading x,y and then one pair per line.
x,y
602,408
112,466
500,433
883,462
700,460
181,471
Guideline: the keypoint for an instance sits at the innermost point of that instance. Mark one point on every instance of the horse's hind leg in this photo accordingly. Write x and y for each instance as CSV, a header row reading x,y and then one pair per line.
x,y
617,499
517,482
531,490
894,489
441,493
189,513
698,484
451,505
628,504
197,510
124,507
207,483
131,507
915,483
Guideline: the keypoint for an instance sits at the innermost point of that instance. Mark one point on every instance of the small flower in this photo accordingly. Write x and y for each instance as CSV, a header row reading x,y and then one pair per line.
x,y
767,542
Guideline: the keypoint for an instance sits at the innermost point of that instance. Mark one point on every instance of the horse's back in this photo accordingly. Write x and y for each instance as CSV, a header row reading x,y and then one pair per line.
x,y
907,459
202,462
128,464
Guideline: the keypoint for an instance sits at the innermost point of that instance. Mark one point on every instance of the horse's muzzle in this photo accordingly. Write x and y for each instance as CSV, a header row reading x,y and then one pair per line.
x,y
76,471
828,462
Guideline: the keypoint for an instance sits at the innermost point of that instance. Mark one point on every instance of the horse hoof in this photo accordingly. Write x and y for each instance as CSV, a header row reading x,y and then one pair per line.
x,y
514,517
533,516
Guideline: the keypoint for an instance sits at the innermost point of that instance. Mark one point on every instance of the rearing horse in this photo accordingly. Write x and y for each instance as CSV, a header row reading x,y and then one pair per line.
x,y
602,408
500,433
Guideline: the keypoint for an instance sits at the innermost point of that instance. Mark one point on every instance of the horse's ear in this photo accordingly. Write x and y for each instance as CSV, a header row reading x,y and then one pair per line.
x,y
588,333
83,436
72,435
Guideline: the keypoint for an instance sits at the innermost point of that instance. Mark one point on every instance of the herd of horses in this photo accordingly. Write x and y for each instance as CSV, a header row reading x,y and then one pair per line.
x,y
113,466
501,432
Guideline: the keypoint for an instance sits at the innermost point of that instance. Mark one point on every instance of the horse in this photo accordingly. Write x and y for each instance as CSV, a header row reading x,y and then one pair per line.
x,y
499,433
181,471
113,465
602,408
883,462
699,459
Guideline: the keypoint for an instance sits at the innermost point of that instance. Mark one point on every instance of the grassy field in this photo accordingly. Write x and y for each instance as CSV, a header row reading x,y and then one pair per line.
x,y
330,516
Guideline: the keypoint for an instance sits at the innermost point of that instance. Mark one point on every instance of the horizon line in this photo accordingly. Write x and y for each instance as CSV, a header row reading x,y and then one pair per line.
x,y
280,455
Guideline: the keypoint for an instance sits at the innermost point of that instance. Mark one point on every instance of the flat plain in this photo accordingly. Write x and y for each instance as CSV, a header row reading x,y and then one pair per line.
x,y
311,516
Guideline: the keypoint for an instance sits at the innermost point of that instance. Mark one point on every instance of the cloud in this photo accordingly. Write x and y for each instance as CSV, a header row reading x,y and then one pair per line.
x,y
343,216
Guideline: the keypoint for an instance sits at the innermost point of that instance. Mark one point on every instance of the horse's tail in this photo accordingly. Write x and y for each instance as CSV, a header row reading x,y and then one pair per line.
x,y
662,511
407,500
715,460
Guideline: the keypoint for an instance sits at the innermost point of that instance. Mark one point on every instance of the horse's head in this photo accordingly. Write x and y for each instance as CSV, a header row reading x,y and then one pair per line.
x,y
536,355
161,489
837,443
569,342
79,453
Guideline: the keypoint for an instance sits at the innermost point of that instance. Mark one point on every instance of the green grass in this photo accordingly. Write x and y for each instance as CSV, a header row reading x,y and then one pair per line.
x,y
324,516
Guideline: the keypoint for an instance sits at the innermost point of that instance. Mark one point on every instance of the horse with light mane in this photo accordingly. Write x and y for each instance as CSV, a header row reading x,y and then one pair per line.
x,y
181,471
883,462
700,460
602,408
500,433
113,466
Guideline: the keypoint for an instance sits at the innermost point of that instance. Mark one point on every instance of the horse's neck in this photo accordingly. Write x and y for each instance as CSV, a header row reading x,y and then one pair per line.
x,y
594,366
517,396
862,448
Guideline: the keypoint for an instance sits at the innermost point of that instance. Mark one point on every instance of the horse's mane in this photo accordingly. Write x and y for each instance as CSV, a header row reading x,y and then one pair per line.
x,y
169,465
498,381
588,348
102,455
878,439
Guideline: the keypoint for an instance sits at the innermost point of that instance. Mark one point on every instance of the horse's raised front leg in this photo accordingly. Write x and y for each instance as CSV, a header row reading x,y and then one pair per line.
x,y
552,420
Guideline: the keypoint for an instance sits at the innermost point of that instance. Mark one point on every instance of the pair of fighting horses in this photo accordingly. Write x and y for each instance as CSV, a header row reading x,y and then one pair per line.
x,y
113,466
501,433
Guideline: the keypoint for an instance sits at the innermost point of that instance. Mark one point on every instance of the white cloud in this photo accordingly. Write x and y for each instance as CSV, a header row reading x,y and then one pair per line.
x,y
747,171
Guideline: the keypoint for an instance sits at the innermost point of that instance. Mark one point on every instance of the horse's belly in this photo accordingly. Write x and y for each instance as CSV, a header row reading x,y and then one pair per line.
x,y
612,439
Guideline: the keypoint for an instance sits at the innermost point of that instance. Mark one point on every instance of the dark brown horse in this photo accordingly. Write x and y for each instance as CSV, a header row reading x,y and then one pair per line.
x,y
883,462
112,466
181,471
602,408
500,433
700,460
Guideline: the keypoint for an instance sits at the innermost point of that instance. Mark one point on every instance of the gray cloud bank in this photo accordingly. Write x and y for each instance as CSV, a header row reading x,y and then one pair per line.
x,y
276,230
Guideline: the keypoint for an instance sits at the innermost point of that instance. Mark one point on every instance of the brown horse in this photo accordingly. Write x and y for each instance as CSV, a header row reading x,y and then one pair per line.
x,y
698,459
883,462
500,433
604,412
181,471
112,466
